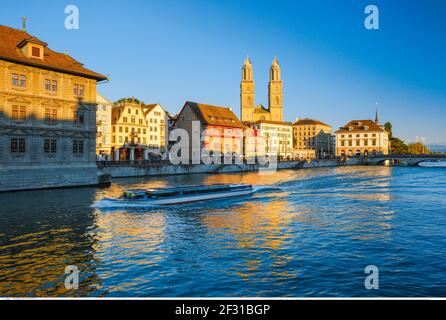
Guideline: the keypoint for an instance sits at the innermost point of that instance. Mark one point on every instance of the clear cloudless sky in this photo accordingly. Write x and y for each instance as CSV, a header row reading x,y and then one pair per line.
x,y
333,69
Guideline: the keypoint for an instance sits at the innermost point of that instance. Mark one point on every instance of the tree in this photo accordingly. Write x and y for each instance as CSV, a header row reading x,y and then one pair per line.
x,y
418,148
388,127
137,101
398,146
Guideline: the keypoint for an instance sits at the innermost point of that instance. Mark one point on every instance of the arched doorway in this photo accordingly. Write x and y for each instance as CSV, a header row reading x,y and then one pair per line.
x,y
358,153
343,153
366,153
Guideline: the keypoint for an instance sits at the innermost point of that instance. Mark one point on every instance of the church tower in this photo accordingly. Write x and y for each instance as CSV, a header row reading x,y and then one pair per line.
x,y
275,96
247,92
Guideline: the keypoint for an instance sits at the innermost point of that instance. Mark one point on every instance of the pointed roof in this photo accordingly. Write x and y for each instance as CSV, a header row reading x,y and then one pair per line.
x,y
12,40
360,126
247,61
308,121
275,62
214,115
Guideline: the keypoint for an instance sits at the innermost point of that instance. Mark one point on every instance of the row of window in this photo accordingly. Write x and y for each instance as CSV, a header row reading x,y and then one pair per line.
x,y
18,145
122,139
358,135
19,80
357,143
18,113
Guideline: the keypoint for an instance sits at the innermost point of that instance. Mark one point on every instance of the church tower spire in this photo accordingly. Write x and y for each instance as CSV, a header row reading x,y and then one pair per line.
x,y
247,92
376,117
275,96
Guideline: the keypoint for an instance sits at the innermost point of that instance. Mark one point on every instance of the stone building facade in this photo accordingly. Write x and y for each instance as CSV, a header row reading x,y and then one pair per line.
x,y
47,116
277,138
219,130
104,128
362,138
138,131
310,134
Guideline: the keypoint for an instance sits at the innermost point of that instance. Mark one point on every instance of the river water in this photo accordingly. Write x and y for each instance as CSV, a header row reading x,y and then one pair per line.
x,y
308,233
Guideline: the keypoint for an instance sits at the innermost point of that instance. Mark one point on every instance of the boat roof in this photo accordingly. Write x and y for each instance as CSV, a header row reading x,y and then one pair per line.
x,y
155,191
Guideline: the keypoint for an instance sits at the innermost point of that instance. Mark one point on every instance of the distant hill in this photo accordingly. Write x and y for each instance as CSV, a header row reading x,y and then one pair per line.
x,y
437,147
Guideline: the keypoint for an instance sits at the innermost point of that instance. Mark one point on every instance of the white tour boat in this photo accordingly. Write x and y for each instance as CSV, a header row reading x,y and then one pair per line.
x,y
168,196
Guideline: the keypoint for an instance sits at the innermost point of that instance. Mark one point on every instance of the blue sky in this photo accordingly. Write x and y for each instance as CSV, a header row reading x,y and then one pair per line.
x,y
333,69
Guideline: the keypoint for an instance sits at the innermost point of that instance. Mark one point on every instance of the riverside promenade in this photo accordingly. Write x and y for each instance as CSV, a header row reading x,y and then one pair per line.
x,y
125,169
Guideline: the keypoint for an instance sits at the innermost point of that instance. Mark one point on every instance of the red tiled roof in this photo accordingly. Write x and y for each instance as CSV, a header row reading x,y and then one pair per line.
x,y
359,125
274,122
11,38
307,121
214,115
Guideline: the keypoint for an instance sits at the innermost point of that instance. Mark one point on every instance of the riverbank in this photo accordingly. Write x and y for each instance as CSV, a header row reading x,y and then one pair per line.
x,y
35,178
137,170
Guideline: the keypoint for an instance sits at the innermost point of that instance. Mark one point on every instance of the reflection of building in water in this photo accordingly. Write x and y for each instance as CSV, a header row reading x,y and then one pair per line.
x,y
255,225
34,264
129,235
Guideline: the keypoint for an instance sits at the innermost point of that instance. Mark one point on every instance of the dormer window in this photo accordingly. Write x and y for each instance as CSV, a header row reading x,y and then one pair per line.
x,y
32,48
35,52
366,128
350,128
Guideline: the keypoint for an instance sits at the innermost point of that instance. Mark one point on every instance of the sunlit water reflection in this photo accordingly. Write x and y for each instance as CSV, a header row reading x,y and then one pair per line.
x,y
311,233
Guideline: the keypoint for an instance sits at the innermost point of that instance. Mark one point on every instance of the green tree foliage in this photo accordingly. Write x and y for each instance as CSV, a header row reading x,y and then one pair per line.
x,y
418,148
128,100
397,145
388,127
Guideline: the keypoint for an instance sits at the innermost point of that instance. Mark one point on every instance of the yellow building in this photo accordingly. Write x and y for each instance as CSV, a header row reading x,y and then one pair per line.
x,y
310,134
103,128
138,130
278,138
248,112
47,115
362,138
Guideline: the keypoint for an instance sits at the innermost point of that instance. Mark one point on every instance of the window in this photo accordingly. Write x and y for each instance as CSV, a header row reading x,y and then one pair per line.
x,y
120,129
124,119
35,52
18,80
22,81
18,113
18,145
15,79
49,146
78,118
78,146
78,90
50,116
54,86
47,85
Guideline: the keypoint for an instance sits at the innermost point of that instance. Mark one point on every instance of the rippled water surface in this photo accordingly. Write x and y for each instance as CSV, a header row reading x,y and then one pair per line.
x,y
309,233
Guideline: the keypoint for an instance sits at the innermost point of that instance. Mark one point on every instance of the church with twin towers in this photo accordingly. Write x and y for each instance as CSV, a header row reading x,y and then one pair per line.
x,y
251,113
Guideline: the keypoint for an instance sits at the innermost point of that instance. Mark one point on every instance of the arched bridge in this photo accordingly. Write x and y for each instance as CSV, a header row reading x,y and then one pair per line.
x,y
410,160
